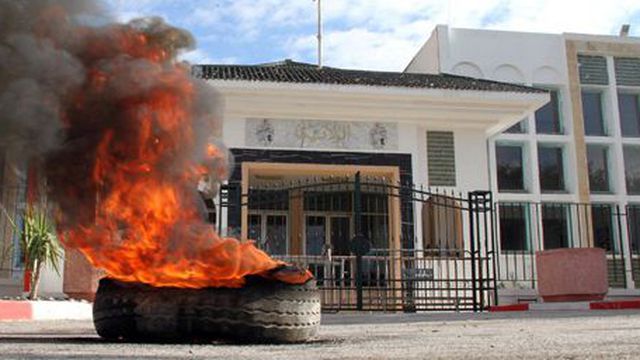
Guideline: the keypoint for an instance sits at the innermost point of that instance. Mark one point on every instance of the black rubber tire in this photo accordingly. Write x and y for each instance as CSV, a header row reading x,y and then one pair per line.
x,y
261,311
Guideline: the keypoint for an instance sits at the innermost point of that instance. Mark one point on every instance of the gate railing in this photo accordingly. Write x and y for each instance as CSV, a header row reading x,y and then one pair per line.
x,y
432,249
404,280
526,227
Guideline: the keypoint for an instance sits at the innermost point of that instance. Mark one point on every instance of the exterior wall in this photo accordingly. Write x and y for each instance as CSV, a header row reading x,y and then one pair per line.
x,y
550,61
524,58
12,199
430,50
608,47
470,151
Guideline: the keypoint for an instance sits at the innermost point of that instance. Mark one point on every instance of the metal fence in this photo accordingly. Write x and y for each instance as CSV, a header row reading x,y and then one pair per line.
x,y
408,280
372,244
524,228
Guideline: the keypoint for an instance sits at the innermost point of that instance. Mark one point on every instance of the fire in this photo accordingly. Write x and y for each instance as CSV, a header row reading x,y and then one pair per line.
x,y
125,176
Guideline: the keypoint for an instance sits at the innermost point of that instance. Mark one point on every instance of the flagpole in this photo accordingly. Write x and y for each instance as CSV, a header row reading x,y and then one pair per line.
x,y
319,33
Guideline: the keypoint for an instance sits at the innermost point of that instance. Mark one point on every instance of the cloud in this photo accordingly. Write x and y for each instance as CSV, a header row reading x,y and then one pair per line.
x,y
371,34
361,48
199,56
385,35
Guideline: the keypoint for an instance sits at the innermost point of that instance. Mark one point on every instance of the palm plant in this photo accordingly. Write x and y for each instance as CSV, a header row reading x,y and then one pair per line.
x,y
39,244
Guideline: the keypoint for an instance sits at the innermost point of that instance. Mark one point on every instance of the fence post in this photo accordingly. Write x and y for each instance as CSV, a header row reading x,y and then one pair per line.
x,y
624,245
472,248
490,243
357,207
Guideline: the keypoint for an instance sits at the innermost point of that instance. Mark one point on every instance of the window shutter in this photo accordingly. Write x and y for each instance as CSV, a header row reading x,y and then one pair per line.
x,y
593,70
627,71
441,158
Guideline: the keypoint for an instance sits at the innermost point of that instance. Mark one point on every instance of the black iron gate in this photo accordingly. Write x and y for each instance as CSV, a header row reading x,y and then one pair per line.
x,y
373,244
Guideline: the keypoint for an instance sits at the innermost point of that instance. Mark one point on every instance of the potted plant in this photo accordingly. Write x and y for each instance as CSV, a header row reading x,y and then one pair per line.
x,y
39,245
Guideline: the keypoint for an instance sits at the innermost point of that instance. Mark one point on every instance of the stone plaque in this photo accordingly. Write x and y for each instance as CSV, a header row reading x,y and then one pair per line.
x,y
315,134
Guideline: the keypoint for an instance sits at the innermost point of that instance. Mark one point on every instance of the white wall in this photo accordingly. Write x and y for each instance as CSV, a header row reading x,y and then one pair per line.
x,y
527,58
470,151
471,160
427,59
515,57
51,282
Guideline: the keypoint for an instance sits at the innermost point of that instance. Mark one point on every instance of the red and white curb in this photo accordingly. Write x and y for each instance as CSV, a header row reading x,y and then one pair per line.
x,y
45,310
570,306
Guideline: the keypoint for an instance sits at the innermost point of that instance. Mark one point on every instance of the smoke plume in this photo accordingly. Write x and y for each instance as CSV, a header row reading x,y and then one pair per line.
x,y
124,133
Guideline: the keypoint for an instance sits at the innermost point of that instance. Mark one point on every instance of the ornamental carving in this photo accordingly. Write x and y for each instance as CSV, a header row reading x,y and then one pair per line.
x,y
316,134
264,133
378,136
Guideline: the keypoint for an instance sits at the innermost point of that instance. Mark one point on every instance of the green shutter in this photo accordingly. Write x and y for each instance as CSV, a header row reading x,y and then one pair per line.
x,y
441,158
627,71
593,70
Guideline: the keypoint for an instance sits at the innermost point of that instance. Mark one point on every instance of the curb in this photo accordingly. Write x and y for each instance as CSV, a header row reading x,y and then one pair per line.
x,y
45,310
569,306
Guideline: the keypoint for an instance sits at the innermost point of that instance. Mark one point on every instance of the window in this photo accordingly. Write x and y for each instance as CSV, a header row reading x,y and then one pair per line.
x,y
442,225
598,159
593,70
375,220
592,113
550,163
519,128
269,231
255,228
629,114
275,242
601,222
510,168
633,213
555,226
514,227
335,201
262,199
632,169
548,116
627,71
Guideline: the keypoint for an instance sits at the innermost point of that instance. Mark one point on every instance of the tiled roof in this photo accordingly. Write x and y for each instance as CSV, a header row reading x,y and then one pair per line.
x,y
288,71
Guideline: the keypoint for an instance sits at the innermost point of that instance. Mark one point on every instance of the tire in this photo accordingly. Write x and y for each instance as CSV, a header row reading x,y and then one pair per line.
x,y
260,312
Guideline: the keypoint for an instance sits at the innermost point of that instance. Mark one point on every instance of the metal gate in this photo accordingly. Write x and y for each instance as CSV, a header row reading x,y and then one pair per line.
x,y
372,244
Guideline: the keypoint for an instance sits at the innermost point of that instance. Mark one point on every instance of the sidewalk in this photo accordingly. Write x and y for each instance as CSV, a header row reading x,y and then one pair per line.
x,y
45,310
570,306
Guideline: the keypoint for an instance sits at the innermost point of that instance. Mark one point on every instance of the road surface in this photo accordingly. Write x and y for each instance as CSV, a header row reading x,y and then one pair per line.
x,y
535,335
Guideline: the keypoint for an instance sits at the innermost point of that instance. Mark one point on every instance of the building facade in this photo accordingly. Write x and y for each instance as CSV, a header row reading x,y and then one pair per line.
x,y
324,154
567,174
405,159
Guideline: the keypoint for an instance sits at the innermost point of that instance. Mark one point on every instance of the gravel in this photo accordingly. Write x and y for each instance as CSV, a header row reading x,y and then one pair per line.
x,y
534,335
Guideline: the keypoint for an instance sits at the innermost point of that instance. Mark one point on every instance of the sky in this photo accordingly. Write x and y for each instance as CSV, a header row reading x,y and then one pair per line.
x,y
362,34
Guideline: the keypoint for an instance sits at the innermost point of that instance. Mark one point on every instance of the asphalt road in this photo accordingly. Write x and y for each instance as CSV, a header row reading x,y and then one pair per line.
x,y
561,335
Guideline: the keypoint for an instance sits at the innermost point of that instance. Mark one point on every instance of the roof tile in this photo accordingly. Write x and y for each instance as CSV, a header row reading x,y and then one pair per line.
x,y
288,71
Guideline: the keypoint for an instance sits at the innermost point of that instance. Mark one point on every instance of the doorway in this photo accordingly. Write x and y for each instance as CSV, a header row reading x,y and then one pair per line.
x,y
270,231
324,233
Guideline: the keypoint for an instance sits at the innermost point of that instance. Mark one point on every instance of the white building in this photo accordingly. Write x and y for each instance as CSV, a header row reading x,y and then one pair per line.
x,y
566,176
325,154
295,128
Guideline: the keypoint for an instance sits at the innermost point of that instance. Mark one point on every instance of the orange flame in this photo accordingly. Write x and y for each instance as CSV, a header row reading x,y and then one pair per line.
x,y
139,173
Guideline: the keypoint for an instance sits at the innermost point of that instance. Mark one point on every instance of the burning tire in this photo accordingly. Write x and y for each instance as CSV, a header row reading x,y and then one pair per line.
x,y
261,311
